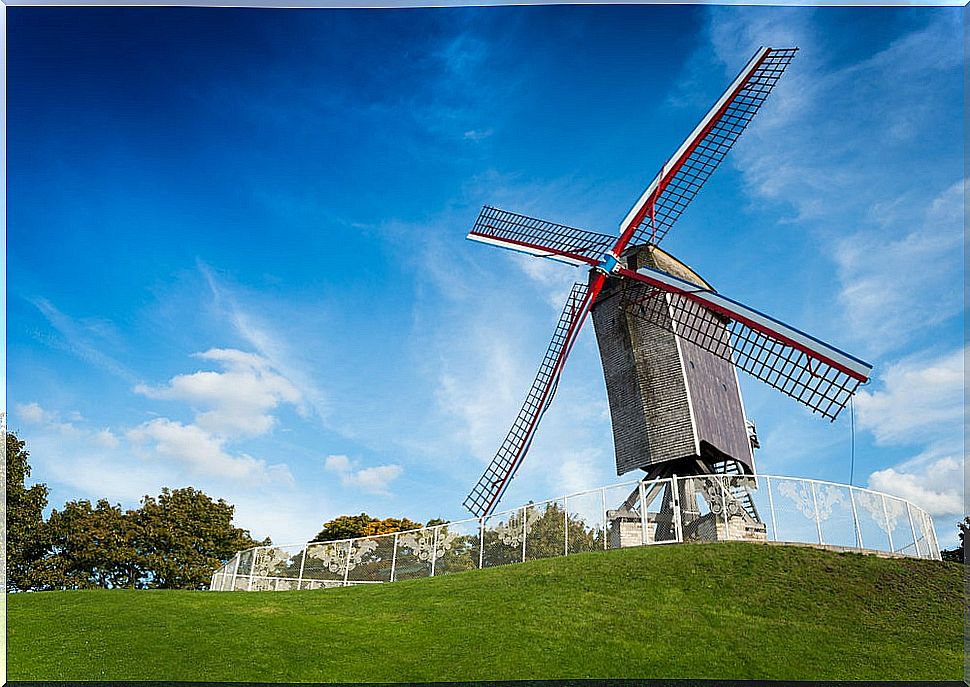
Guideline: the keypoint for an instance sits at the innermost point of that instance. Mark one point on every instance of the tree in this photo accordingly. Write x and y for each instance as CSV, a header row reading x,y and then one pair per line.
x,y
174,541
25,517
957,555
90,548
363,525
183,536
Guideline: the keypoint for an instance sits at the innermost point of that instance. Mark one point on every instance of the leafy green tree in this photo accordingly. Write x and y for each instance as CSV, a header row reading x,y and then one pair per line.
x,y
363,525
957,555
183,536
25,517
91,547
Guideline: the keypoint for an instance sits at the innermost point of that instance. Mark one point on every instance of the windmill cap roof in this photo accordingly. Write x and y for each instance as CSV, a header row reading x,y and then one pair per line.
x,y
651,256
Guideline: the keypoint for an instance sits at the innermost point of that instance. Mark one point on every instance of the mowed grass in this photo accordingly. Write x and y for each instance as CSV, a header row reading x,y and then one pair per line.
x,y
696,611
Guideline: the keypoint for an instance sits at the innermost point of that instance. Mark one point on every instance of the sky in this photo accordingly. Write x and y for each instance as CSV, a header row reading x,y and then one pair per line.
x,y
236,255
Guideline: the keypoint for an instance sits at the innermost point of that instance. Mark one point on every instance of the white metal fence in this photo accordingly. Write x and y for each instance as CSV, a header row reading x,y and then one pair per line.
x,y
707,508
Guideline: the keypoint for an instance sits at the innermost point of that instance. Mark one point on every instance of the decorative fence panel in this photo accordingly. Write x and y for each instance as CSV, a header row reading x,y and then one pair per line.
x,y
795,510
872,520
546,537
836,522
707,508
586,516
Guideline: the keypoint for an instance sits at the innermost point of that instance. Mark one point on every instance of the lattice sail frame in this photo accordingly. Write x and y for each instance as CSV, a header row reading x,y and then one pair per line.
x,y
817,375
495,480
689,168
539,237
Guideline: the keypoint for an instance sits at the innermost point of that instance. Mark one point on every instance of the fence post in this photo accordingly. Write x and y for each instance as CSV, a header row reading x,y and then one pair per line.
x,y
525,512
252,567
643,513
235,570
935,553
434,549
855,519
771,507
394,556
818,518
675,498
605,521
481,545
909,512
350,547
724,507
889,528
565,525
299,580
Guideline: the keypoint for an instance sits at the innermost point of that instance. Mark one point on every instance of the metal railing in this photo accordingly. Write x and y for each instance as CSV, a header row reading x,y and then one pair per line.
x,y
678,509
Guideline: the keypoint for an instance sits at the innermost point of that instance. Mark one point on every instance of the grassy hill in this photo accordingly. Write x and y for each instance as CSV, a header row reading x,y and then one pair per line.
x,y
714,610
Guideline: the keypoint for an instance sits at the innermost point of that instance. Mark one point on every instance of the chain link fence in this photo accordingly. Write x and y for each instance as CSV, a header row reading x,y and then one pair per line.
x,y
679,509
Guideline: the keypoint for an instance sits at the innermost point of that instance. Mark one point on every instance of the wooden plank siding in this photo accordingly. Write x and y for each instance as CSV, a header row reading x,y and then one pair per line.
x,y
669,399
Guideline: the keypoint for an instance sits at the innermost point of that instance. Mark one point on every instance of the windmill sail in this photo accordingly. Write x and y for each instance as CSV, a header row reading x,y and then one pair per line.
x,y
493,482
688,169
539,237
818,375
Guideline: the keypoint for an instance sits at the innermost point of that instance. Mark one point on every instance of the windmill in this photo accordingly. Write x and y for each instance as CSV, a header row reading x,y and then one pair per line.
x,y
669,343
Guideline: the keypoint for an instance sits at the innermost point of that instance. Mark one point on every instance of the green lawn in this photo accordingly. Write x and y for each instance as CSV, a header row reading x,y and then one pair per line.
x,y
714,610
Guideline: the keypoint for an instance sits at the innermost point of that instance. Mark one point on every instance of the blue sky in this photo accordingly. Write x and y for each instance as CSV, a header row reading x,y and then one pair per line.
x,y
236,255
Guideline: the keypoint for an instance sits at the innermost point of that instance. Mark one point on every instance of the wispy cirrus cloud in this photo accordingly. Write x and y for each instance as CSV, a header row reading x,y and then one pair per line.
x,y
275,351
86,339
885,283
842,146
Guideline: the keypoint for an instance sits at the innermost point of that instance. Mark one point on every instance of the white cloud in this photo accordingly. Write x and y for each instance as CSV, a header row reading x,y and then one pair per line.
x,y
92,464
337,463
106,438
578,471
483,397
477,135
275,352
554,279
921,398
237,400
937,488
921,403
238,397
203,453
32,413
374,480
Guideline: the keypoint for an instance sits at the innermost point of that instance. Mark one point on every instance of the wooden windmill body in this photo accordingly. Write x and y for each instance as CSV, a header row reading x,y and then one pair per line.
x,y
676,407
